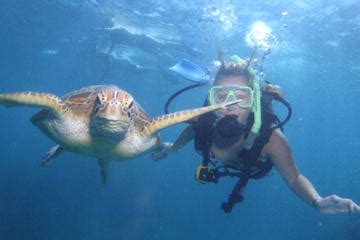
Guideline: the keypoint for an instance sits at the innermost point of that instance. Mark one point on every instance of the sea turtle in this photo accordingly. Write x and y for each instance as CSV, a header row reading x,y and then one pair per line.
x,y
102,121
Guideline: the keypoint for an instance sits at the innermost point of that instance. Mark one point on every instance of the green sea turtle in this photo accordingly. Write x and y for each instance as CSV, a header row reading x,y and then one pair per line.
x,y
101,121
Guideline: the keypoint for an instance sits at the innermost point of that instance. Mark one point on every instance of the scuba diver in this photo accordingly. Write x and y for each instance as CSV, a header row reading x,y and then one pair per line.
x,y
246,140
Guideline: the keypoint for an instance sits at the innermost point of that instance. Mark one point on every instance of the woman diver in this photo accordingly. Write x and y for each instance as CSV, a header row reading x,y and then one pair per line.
x,y
246,139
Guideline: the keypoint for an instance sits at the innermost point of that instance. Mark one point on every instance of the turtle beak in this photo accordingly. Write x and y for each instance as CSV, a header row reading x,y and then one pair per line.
x,y
111,125
113,117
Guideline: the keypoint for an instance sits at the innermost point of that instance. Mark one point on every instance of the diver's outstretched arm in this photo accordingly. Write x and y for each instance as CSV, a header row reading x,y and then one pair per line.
x,y
280,154
186,136
328,205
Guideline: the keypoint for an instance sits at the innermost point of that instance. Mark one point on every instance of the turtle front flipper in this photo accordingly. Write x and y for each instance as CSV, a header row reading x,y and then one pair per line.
x,y
34,99
168,120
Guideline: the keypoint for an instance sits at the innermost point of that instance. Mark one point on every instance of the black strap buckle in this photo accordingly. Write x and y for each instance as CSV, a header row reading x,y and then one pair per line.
x,y
205,174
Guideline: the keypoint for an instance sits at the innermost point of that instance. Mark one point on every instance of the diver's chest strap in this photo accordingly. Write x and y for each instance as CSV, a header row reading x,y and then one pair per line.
x,y
253,168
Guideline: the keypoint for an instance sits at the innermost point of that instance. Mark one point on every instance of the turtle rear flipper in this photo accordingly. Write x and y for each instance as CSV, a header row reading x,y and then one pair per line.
x,y
53,152
104,165
34,99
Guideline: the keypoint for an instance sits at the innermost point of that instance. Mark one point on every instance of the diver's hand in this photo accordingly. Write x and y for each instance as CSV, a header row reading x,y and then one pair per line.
x,y
162,151
334,204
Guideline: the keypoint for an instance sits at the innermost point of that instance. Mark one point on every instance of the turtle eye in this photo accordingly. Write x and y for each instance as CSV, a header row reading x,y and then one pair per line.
x,y
125,99
101,98
130,109
131,104
97,105
128,102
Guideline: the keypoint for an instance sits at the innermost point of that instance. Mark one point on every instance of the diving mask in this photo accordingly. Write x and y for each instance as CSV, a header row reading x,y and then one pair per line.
x,y
223,94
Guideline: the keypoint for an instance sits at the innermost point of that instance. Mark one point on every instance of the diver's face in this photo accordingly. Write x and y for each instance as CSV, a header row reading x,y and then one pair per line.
x,y
235,109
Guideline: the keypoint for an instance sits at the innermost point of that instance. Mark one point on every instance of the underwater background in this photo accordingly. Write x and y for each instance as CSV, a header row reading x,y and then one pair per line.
x,y
57,46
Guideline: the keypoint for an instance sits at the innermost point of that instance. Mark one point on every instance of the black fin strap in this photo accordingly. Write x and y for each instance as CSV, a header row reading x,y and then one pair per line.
x,y
171,98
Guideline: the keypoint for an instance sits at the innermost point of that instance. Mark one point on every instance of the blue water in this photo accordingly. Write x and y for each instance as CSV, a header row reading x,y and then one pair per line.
x,y
59,46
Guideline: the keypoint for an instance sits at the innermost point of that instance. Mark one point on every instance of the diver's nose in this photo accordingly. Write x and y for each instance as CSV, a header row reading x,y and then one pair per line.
x,y
231,97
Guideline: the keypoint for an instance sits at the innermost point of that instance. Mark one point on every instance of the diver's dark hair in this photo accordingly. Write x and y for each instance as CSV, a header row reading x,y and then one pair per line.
x,y
231,68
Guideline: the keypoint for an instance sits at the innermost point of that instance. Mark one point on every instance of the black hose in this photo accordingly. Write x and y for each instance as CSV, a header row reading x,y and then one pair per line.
x,y
171,98
286,104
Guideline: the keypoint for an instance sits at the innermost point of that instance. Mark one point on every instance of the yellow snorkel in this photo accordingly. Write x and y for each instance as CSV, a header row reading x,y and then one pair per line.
x,y
256,109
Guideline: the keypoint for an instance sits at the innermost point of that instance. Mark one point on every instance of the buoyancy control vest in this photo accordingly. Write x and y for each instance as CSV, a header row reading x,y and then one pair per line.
x,y
252,166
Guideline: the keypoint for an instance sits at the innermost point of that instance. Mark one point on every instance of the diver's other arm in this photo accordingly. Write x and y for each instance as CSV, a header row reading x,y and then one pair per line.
x,y
280,154
329,205
186,136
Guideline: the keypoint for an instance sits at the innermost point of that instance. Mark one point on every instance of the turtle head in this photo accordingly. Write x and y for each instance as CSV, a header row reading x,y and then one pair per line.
x,y
111,113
